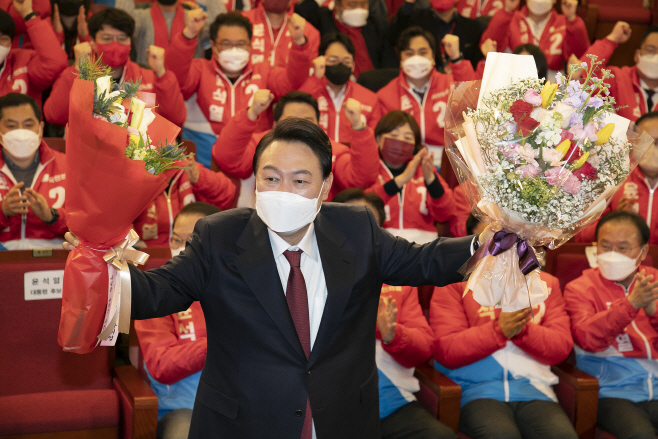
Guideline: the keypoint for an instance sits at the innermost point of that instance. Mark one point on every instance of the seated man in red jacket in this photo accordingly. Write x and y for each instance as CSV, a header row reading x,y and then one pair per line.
x,y
218,89
502,361
111,33
174,347
615,326
32,178
332,86
29,71
351,167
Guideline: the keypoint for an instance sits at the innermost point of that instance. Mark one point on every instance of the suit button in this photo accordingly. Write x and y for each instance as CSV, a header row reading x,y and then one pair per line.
x,y
299,413
308,372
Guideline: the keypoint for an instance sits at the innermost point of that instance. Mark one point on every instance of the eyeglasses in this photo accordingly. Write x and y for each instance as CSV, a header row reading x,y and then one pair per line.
x,y
227,45
623,249
333,60
107,39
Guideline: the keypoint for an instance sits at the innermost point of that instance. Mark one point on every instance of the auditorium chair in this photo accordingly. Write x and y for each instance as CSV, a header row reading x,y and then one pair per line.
x,y
375,79
46,393
56,143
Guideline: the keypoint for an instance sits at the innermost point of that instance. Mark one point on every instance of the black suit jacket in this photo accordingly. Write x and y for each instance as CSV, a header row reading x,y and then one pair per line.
x,y
256,378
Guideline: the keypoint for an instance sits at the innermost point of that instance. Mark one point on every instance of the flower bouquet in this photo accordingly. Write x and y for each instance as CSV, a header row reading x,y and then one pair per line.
x,y
537,162
120,156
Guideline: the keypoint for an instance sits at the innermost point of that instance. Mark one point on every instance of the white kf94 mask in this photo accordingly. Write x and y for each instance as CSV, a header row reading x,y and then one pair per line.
x,y
285,212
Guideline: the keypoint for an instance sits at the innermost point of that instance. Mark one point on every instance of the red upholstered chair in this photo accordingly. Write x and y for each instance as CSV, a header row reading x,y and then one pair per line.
x,y
48,393
56,143
439,394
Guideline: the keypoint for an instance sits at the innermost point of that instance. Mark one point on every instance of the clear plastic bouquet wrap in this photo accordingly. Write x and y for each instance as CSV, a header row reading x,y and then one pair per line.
x,y
537,162
120,156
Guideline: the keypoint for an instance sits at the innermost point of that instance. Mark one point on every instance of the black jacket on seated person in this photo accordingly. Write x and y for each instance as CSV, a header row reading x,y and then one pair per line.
x,y
468,30
256,379
375,32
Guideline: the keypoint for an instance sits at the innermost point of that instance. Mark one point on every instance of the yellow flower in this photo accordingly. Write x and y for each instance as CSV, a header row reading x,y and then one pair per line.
x,y
604,133
548,94
564,146
137,109
580,162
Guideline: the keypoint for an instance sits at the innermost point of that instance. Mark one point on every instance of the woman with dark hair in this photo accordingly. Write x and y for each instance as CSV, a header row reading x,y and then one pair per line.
x,y
414,193
537,54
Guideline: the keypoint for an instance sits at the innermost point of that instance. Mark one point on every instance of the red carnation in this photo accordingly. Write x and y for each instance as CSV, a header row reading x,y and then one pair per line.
x,y
527,125
585,172
573,153
520,109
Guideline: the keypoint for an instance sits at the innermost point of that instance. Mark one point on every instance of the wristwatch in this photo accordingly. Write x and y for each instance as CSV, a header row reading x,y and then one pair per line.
x,y
459,58
30,16
55,217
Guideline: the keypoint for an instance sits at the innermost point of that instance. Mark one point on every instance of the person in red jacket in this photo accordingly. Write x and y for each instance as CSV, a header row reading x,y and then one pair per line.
x,y
196,183
638,192
32,179
479,8
70,24
422,91
414,193
225,85
29,71
331,85
272,39
174,347
615,327
41,8
559,36
351,167
111,33
502,362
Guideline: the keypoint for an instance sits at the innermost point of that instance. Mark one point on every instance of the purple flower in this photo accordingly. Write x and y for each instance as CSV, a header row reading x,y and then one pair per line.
x,y
528,171
595,102
532,97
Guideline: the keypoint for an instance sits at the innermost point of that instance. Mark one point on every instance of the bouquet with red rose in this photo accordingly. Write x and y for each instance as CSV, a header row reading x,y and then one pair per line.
x,y
109,183
537,162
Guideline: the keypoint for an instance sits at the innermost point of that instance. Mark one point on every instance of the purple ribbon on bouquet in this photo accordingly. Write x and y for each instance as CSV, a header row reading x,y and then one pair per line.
x,y
501,242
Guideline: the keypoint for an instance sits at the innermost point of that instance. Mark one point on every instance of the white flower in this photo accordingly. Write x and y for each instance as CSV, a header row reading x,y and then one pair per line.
x,y
103,84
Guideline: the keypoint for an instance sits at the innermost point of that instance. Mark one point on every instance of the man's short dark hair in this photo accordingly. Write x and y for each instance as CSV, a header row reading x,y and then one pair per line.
x,y
298,97
412,32
295,129
471,224
336,37
538,55
18,99
623,216
118,19
648,116
7,25
230,19
395,119
650,30
197,208
357,194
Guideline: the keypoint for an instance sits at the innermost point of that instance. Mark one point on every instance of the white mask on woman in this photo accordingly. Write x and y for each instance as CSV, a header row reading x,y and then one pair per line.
x,y
285,212
648,65
540,7
416,66
21,143
355,17
4,51
615,266
233,60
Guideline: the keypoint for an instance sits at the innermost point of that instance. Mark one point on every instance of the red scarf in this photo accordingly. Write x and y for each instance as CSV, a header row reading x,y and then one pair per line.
x,y
161,38
362,62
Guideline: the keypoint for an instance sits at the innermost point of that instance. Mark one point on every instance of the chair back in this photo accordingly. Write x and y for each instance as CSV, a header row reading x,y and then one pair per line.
x,y
375,79
56,143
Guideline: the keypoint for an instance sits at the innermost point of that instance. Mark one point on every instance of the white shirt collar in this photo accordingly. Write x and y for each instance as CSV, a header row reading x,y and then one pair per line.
x,y
308,244
645,86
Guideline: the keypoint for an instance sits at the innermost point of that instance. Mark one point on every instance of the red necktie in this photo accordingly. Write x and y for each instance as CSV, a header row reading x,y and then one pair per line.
x,y
298,305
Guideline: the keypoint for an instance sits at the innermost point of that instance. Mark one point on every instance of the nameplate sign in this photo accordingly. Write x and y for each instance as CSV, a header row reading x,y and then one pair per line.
x,y
41,285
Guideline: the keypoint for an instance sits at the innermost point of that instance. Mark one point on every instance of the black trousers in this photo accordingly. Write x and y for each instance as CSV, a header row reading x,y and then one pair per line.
x,y
626,419
412,421
492,419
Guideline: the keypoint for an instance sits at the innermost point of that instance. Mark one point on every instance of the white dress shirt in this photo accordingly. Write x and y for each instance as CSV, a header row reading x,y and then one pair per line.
x,y
311,266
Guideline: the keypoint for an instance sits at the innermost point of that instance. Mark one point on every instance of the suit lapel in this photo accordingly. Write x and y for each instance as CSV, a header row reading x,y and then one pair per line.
x,y
338,266
258,269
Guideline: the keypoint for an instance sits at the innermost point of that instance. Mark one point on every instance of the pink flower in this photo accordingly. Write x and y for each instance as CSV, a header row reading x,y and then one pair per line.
x,y
551,155
508,151
571,185
132,130
528,171
588,131
564,134
528,153
557,176
532,97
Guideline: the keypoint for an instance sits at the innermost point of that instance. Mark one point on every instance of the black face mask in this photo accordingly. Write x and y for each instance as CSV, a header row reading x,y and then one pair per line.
x,y
69,8
167,2
338,74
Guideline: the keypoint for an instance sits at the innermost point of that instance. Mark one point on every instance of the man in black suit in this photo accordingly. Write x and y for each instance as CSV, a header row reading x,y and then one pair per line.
x,y
273,371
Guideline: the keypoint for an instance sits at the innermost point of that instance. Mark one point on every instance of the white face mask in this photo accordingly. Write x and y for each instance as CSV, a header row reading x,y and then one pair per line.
x,y
176,251
355,17
417,67
615,266
285,212
4,51
648,65
21,144
540,7
233,60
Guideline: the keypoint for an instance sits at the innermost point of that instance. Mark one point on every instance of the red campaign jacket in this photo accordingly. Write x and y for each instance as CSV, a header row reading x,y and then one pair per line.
x,y
558,41
466,332
154,225
457,222
217,97
174,347
273,46
49,181
30,71
41,7
600,312
352,167
419,209
637,186
168,97
334,122
431,113
625,86
473,9
412,343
